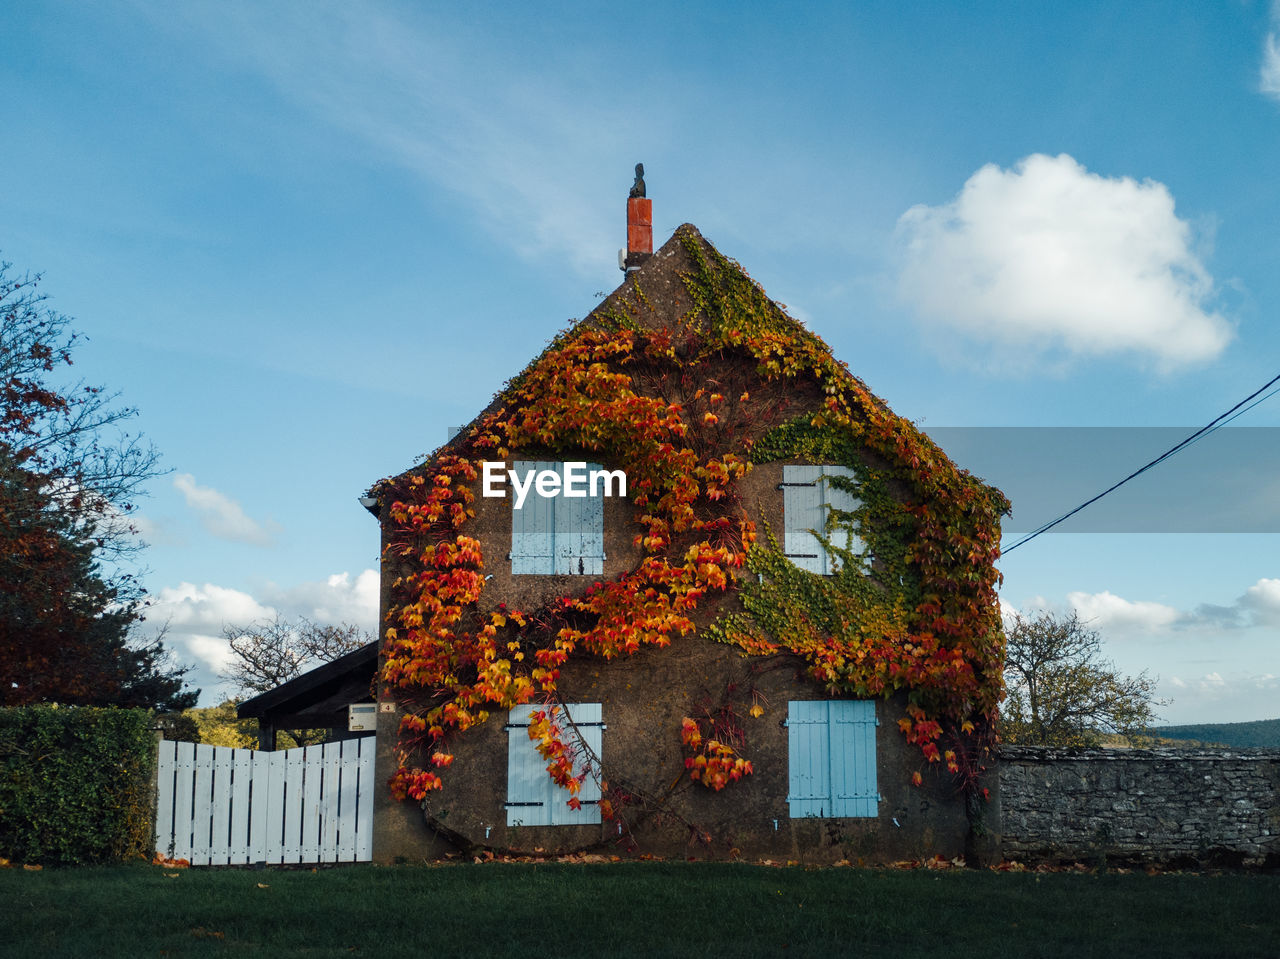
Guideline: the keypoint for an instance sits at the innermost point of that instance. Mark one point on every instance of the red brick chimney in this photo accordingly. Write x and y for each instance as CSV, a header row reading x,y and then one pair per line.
x,y
639,224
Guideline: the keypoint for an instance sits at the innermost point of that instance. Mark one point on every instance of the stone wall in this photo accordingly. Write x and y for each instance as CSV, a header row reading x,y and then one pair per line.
x,y
1160,806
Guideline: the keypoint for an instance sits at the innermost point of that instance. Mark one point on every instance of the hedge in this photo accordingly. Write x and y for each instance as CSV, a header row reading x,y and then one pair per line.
x,y
76,784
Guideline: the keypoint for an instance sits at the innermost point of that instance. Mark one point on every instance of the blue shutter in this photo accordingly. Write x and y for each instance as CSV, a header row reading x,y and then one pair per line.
x,y
533,525
808,746
832,758
533,798
579,531
853,750
556,534
802,513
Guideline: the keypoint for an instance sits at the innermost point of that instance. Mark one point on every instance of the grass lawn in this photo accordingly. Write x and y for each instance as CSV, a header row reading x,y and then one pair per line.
x,y
633,910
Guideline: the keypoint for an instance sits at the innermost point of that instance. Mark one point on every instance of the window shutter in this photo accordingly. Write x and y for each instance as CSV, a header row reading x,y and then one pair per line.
x,y
556,534
533,798
533,525
808,746
832,758
839,499
579,532
807,500
853,747
802,513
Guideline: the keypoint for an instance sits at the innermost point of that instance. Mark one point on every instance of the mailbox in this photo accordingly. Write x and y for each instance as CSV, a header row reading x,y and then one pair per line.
x,y
362,717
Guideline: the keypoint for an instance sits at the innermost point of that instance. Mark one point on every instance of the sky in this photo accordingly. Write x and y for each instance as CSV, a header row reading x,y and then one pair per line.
x,y
304,239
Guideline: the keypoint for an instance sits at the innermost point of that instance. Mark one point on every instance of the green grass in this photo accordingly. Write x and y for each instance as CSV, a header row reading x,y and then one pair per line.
x,y
632,909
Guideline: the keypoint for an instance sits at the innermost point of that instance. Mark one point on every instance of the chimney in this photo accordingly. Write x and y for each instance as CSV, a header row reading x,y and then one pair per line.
x,y
639,224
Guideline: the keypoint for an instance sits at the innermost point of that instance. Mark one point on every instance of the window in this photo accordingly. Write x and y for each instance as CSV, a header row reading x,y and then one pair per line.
x,y
556,534
808,497
533,797
832,748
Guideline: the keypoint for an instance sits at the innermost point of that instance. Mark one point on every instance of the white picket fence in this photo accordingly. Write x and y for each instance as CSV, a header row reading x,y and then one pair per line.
x,y
220,806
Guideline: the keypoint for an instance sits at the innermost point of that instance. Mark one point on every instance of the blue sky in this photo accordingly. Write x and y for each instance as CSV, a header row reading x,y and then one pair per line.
x,y
305,238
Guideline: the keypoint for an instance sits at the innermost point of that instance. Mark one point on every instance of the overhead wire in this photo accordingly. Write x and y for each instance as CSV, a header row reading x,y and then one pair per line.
x,y
1215,424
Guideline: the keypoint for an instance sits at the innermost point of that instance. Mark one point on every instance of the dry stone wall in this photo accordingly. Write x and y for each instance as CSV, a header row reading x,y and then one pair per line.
x,y
1188,807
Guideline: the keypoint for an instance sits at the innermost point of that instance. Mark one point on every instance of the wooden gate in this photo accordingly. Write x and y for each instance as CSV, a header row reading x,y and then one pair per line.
x,y
219,806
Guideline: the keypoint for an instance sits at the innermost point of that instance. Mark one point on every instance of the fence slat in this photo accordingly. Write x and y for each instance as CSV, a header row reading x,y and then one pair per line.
x,y
202,806
165,771
347,793
274,823
221,786
184,775
311,812
331,763
238,850
364,806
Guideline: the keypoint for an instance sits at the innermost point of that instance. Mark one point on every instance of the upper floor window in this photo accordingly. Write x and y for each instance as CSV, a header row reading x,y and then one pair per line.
x,y
809,500
557,533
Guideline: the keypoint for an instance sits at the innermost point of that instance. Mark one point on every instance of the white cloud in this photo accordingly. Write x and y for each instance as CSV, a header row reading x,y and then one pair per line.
x,y
1269,74
220,514
1048,258
1105,611
196,615
1262,599
1239,696
339,599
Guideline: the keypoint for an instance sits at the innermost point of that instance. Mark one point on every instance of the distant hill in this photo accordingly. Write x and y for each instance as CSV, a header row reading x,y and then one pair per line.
x,y
1259,733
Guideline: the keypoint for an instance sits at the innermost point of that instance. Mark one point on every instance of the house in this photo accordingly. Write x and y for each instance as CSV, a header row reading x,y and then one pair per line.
x,y
686,587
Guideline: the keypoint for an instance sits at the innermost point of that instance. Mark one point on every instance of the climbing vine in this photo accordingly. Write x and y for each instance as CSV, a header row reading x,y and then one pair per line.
x,y
686,408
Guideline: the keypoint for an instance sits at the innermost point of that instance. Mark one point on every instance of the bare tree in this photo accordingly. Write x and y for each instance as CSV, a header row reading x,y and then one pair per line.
x,y
1060,690
274,651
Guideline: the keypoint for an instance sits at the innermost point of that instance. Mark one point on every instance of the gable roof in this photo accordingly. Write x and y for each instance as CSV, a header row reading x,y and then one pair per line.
x,y
654,296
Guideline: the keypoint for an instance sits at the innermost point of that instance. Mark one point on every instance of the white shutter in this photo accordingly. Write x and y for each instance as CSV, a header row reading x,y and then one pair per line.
x,y
833,498
802,513
556,534
533,797
807,500
579,531
532,525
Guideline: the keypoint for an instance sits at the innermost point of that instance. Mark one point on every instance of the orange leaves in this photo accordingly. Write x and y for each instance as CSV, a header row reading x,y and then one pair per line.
x,y
689,733
713,763
413,784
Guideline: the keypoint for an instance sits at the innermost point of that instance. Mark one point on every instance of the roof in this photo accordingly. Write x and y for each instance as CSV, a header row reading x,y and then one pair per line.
x,y
318,694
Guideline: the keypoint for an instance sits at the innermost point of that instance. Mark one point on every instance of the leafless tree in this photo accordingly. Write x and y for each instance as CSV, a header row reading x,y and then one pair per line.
x,y
274,651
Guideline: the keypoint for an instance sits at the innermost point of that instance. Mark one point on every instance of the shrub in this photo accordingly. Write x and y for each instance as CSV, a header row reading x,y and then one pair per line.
x,y
76,784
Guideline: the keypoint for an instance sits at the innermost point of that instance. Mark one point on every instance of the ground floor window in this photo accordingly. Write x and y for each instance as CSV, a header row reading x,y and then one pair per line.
x,y
533,798
831,745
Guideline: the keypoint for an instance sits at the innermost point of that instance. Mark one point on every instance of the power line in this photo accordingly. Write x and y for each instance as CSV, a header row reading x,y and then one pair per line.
x,y
1199,434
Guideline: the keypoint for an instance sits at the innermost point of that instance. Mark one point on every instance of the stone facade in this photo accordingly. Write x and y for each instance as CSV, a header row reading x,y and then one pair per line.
x,y
1192,807
643,698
